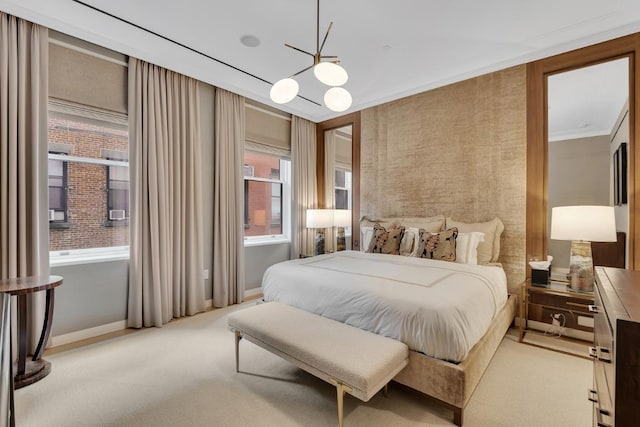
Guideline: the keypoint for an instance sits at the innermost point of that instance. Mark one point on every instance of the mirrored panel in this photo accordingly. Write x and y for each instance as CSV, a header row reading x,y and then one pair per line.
x,y
338,184
588,133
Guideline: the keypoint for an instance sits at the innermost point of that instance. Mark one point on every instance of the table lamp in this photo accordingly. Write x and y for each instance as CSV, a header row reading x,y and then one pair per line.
x,y
582,225
319,219
341,219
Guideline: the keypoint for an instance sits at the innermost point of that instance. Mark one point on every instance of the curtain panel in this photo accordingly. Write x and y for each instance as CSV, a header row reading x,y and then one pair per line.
x,y
24,229
166,261
228,187
304,186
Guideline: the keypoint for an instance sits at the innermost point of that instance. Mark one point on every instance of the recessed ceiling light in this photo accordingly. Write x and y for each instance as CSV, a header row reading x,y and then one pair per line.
x,y
386,47
249,40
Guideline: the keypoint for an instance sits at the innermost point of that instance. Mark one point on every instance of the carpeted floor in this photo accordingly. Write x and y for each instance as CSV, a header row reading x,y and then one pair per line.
x,y
184,375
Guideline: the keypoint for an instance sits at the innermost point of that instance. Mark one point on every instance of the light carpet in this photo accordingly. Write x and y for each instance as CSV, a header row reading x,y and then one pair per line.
x,y
184,375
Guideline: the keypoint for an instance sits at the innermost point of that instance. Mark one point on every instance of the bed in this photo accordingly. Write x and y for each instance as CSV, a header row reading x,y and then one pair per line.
x,y
451,315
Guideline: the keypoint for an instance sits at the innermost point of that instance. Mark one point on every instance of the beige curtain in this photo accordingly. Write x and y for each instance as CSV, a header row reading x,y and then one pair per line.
x,y
166,262
24,229
304,188
228,187
329,185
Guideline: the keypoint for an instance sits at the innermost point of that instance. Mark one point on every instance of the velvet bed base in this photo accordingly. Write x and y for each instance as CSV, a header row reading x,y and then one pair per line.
x,y
453,384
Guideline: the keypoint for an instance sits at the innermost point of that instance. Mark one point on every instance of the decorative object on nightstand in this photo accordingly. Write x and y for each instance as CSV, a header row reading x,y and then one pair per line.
x,y
540,271
582,225
341,219
319,219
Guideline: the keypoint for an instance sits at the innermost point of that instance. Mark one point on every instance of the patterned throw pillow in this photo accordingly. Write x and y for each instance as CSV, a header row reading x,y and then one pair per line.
x,y
440,246
386,241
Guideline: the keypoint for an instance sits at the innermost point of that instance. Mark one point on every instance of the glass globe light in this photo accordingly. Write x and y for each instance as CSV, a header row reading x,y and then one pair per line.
x,y
337,99
284,90
330,74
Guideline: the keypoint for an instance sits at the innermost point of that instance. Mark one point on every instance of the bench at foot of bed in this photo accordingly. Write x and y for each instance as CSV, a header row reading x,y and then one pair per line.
x,y
357,362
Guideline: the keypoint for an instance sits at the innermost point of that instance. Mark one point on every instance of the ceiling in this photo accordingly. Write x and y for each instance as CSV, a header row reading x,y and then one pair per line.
x,y
587,101
391,49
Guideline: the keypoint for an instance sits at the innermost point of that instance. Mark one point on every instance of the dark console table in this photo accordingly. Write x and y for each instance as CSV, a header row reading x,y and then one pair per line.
x,y
29,371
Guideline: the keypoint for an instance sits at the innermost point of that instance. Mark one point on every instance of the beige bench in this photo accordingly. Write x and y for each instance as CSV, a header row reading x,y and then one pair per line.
x,y
355,361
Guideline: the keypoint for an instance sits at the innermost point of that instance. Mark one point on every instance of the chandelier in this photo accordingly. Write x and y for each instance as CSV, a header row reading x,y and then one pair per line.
x,y
336,98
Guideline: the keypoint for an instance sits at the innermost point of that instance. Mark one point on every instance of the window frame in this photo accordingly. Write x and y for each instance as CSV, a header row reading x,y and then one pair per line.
x,y
64,187
285,202
70,110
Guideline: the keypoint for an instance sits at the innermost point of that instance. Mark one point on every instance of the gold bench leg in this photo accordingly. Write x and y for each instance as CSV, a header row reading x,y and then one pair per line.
x,y
341,389
238,338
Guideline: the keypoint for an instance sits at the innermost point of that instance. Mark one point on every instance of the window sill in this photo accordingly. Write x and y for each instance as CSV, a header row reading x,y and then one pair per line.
x,y
114,223
59,226
83,256
276,240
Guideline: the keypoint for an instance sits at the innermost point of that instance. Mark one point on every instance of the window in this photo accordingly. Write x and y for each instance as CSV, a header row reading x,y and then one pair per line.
x,y
118,192
266,195
57,191
343,189
88,183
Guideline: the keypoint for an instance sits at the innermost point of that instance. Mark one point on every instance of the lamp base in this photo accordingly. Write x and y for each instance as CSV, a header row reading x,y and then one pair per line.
x,y
319,243
341,243
581,267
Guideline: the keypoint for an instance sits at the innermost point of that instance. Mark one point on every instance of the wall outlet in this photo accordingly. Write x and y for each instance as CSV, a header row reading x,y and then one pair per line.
x,y
206,274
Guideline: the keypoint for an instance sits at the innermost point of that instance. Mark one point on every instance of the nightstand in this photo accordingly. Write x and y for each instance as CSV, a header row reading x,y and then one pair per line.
x,y
557,306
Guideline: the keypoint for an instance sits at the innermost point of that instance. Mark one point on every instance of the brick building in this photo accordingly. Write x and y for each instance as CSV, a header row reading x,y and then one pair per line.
x,y
83,191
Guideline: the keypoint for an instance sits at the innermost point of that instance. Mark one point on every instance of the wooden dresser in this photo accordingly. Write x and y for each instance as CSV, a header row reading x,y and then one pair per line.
x,y
616,351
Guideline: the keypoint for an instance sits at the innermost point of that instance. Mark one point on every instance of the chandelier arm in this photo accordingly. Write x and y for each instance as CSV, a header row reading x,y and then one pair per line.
x,y
325,37
299,50
302,71
329,56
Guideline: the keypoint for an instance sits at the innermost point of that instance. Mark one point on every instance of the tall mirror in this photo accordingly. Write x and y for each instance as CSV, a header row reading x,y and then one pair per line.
x,y
588,136
338,171
338,184
543,184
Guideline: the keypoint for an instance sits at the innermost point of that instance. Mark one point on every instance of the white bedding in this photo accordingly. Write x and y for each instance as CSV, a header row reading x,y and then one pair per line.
x,y
439,308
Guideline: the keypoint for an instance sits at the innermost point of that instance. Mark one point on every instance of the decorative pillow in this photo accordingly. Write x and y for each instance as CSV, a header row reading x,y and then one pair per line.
x,y
489,250
467,247
409,242
440,246
386,241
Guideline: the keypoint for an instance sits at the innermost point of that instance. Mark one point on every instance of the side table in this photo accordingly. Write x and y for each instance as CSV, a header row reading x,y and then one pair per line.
x,y
555,301
28,372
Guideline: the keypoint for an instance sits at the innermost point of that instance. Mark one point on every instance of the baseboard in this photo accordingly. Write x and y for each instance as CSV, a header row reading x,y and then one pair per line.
x,y
120,325
252,293
84,334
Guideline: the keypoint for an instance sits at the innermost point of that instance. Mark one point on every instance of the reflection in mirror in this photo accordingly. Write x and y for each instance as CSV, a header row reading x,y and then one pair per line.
x,y
338,182
588,121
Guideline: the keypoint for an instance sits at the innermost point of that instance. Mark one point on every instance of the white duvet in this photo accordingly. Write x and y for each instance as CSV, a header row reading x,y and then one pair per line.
x,y
439,308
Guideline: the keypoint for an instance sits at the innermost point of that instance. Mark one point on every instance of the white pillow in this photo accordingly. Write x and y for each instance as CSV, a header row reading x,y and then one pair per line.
x,y
365,237
467,247
409,242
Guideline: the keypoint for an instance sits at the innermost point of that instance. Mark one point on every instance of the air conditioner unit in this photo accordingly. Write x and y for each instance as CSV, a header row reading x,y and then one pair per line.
x,y
52,215
116,215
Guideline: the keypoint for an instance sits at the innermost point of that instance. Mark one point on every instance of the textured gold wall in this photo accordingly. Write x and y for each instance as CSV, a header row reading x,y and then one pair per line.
x,y
459,150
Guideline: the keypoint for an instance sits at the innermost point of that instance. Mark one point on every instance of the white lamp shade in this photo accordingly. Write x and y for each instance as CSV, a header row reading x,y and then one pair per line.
x,y
319,218
588,223
330,74
341,217
337,99
284,90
